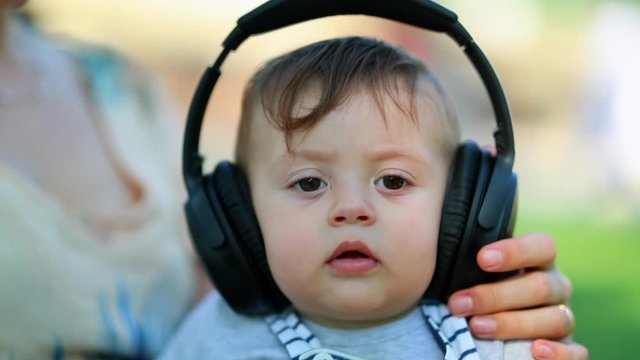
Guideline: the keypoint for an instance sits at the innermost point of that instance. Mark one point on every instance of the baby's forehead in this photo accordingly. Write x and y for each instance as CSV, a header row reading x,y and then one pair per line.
x,y
421,109
362,109
388,96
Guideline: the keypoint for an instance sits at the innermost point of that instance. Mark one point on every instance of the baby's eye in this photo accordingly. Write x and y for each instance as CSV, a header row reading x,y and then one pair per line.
x,y
310,184
391,182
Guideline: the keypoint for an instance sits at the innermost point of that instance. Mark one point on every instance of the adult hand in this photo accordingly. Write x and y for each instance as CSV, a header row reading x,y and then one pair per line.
x,y
529,305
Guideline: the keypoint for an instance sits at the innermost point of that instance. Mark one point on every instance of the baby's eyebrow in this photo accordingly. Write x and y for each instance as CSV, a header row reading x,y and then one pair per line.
x,y
394,153
289,157
308,154
374,156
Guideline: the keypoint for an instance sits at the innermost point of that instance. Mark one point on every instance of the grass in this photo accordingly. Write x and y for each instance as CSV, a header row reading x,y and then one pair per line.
x,y
602,262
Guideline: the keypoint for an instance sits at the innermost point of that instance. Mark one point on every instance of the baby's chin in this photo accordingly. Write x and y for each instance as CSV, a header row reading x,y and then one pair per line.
x,y
357,316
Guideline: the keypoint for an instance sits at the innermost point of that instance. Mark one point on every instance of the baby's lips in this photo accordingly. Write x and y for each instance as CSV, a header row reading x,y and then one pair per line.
x,y
352,246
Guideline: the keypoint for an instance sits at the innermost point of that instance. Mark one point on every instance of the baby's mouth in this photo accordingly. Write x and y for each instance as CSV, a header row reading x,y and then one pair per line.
x,y
352,257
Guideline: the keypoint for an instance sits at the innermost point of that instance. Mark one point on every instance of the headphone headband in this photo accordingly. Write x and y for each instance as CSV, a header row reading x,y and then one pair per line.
x,y
425,14
277,14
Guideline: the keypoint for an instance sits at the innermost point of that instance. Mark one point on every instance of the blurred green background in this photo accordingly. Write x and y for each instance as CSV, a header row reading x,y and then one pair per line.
x,y
570,69
602,262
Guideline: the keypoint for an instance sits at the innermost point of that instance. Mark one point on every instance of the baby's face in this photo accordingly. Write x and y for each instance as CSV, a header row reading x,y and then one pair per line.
x,y
350,215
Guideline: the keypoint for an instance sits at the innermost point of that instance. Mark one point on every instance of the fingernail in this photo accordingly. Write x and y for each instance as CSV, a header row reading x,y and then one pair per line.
x,y
543,351
492,257
461,305
483,325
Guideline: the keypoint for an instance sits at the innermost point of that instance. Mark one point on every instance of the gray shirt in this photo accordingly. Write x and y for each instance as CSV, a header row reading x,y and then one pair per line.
x,y
214,331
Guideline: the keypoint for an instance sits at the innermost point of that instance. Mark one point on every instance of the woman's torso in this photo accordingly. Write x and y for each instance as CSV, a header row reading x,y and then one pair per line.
x,y
93,249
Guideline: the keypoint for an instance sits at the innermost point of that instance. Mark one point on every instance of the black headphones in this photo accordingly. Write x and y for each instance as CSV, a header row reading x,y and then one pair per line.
x,y
480,200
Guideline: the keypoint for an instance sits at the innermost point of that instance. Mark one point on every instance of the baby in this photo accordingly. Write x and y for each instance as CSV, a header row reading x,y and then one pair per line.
x,y
347,145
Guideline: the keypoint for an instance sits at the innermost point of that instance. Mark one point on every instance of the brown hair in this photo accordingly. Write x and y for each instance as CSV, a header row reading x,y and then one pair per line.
x,y
338,68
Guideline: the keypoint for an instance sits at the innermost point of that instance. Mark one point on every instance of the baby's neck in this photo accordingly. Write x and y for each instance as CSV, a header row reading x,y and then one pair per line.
x,y
356,324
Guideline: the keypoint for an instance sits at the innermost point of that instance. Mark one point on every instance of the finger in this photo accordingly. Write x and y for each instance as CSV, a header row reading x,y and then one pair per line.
x,y
534,288
550,322
553,350
535,250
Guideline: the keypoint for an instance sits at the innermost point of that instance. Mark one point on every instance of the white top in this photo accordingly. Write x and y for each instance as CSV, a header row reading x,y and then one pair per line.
x,y
66,290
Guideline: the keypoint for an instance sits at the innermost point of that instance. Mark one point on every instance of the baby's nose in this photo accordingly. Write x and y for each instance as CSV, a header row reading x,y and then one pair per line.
x,y
351,209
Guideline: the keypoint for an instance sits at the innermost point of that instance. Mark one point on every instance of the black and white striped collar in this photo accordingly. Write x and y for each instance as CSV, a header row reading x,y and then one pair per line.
x,y
301,344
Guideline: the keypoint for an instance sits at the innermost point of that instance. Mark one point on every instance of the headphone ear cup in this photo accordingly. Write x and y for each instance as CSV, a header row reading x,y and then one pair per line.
x,y
232,189
461,234
233,192
456,209
227,238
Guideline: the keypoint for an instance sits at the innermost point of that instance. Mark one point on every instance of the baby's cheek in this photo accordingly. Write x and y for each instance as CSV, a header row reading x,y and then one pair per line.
x,y
288,270
287,256
421,234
